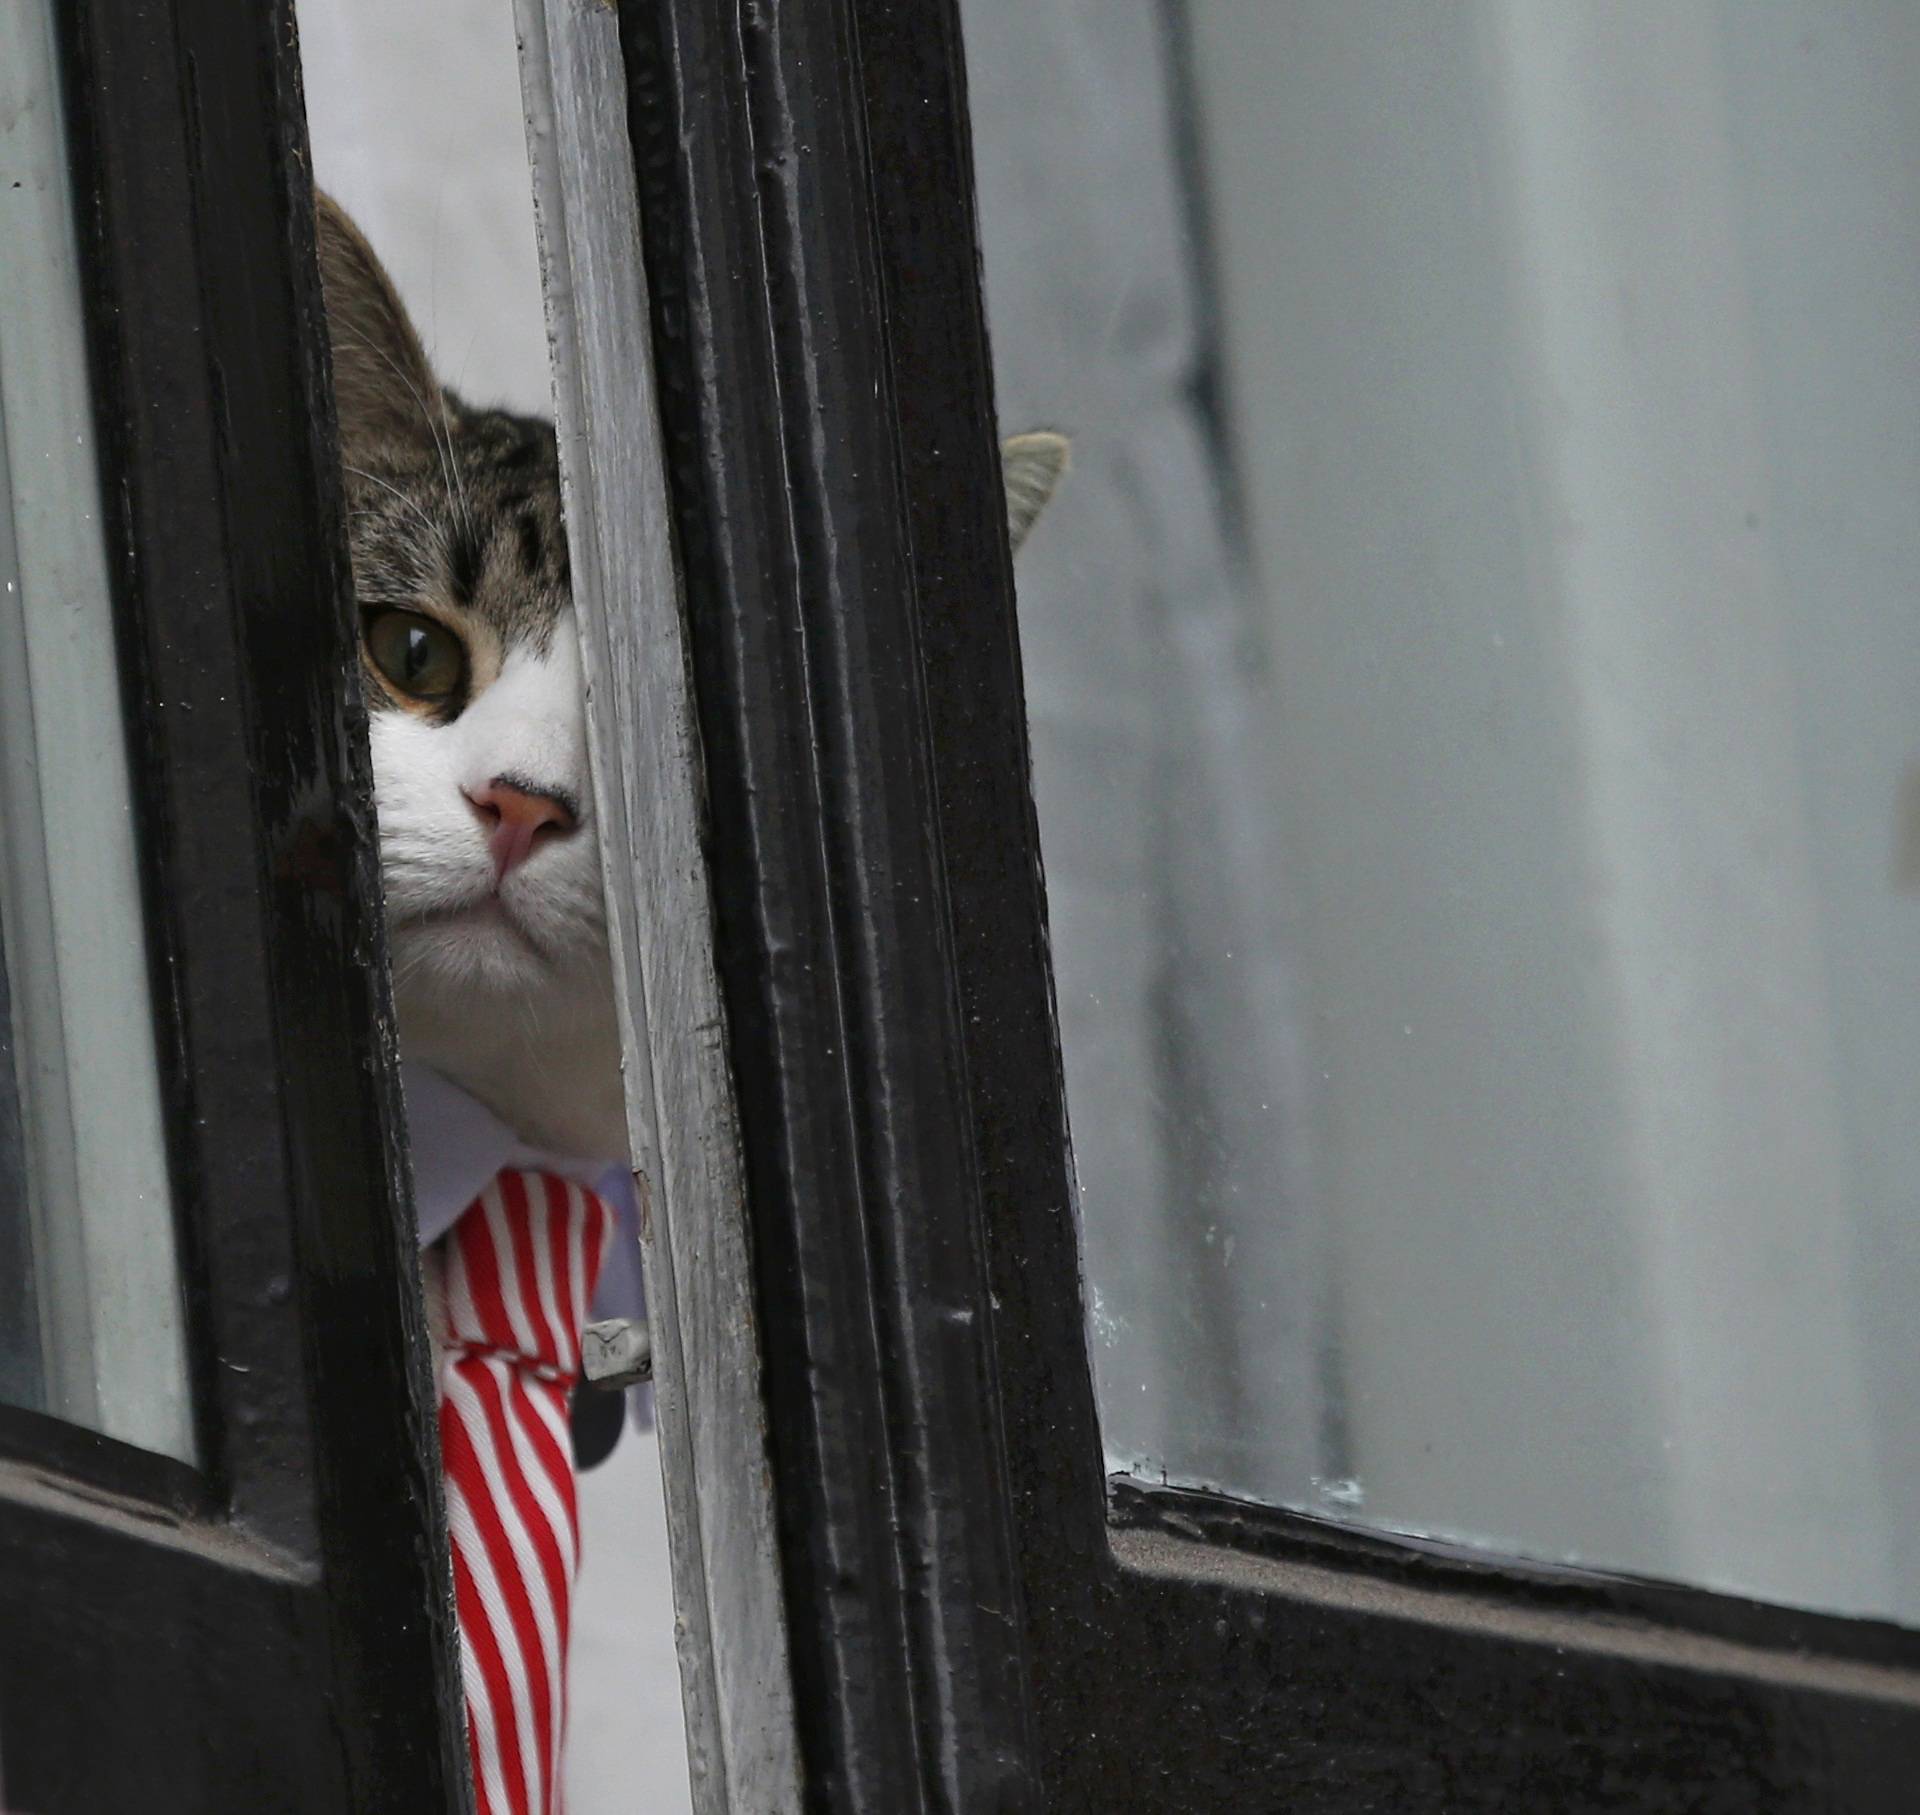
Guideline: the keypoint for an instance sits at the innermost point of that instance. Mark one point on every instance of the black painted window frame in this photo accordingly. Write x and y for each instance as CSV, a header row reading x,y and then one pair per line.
x,y
272,1628
982,1619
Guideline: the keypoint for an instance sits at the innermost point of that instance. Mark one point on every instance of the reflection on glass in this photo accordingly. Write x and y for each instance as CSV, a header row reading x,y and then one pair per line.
x,y
90,1319
1475,686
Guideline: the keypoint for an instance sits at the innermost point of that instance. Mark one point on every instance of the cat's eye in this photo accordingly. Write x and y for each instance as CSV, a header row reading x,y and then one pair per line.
x,y
418,655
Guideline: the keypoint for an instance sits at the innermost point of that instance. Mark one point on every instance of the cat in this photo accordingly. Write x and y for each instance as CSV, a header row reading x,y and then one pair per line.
x,y
495,913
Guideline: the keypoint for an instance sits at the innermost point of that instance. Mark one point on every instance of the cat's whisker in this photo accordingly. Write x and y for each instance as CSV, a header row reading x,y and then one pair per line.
x,y
450,466
466,504
438,430
412,504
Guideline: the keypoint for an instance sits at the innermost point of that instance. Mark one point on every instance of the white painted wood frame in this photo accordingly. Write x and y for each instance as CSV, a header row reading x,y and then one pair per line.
x,y
732,1635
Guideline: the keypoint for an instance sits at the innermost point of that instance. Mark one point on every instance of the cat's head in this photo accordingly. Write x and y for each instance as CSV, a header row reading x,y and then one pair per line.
x,y
495,910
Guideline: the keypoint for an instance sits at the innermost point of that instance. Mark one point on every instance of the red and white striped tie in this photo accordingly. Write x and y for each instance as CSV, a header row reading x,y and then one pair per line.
x,y
520,1269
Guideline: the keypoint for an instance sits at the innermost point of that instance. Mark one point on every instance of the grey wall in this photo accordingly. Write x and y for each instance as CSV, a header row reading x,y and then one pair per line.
x,y
1146,667
1567,348
1520,800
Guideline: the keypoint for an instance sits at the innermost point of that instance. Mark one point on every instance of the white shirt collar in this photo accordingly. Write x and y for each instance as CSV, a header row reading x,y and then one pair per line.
x,y
459,1144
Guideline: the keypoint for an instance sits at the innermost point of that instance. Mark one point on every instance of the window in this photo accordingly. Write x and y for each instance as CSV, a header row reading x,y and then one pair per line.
x,y
220,1583
933,1549
1055,1630
1470,742
93,1329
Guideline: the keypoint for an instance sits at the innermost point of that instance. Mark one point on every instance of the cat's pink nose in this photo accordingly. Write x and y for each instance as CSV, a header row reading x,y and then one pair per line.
x,y
513,815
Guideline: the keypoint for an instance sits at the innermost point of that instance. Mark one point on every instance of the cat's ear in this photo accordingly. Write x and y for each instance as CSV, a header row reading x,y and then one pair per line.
x,y
1031,465
383,389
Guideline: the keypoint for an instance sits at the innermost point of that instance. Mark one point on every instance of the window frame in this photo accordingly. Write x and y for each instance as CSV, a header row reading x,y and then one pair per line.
x,y
975,1615
274,1627
980,1616
816,556
683,1130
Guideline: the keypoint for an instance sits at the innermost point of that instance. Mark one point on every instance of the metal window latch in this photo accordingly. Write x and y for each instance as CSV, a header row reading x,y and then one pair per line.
x,y
616,1353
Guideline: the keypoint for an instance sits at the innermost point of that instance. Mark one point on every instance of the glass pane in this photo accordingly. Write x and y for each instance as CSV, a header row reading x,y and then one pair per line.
x,y
90,1303
1475,686
20,1370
